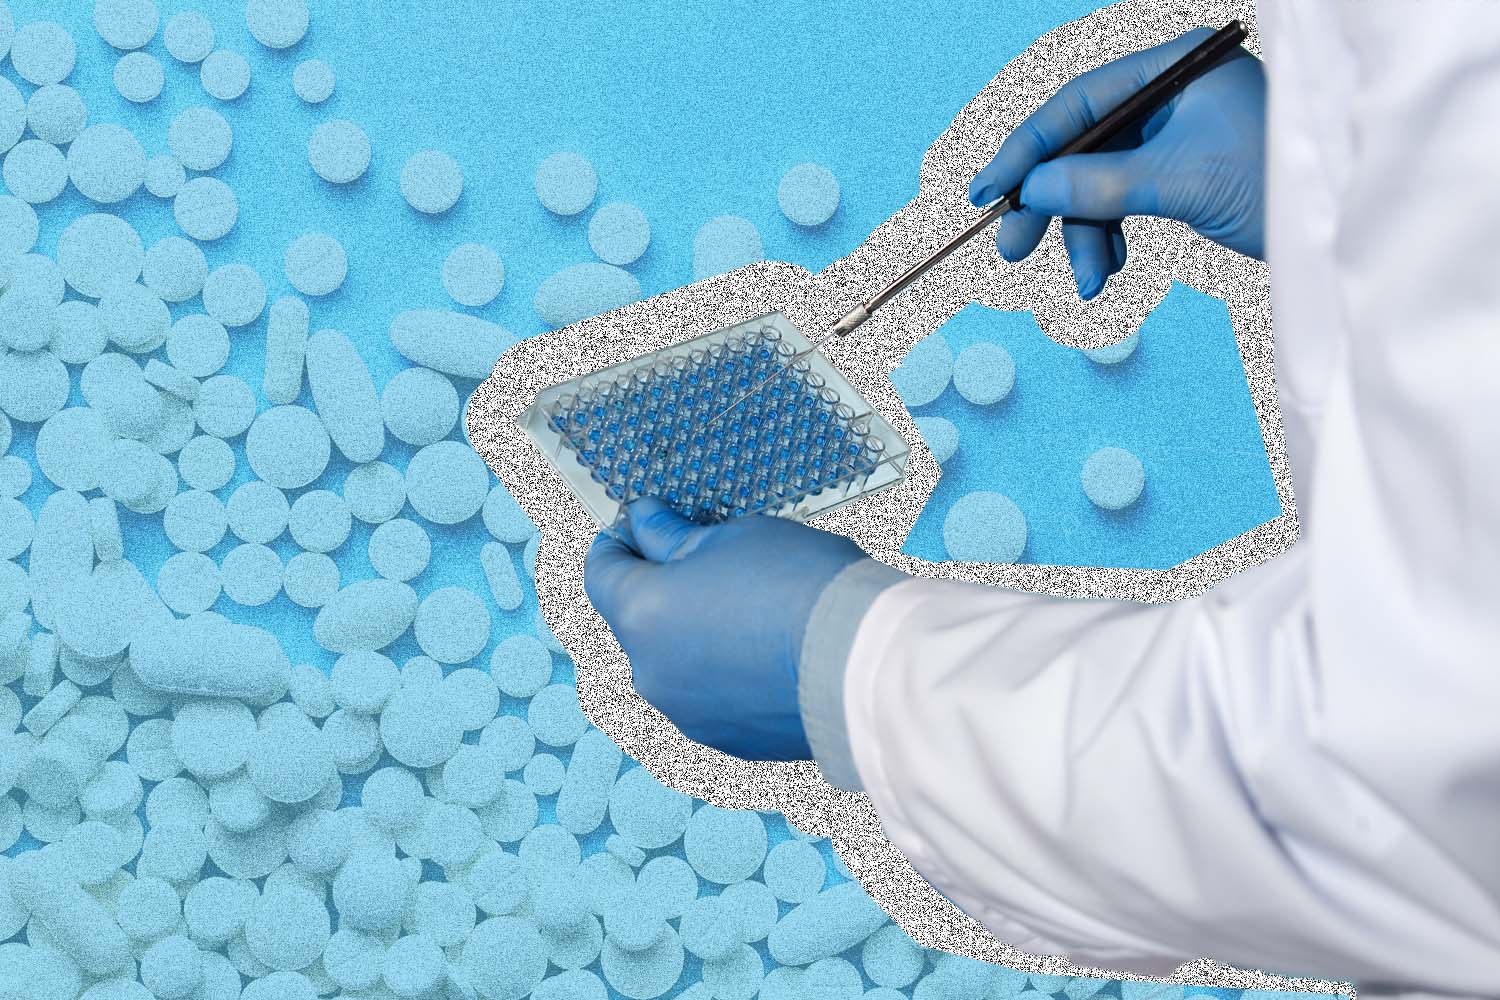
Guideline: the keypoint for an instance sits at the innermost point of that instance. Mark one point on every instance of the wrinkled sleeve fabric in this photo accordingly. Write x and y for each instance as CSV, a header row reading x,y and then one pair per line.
x,y
1300,770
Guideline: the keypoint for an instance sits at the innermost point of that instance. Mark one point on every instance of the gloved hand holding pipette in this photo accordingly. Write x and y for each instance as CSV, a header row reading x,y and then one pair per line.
x,y
1199,160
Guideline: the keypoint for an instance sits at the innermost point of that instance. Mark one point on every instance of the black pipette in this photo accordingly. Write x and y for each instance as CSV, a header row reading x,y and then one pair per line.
x,y
1132,111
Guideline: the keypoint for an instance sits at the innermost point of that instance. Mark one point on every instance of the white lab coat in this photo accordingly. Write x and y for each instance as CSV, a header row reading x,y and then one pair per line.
x,y
1300,770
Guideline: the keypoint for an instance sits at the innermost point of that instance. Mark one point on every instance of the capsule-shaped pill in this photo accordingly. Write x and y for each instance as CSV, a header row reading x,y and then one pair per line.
x,y
501,574
286,347
345,396
584,796
367,615
61,550
77,921
209,655
450,342
833,921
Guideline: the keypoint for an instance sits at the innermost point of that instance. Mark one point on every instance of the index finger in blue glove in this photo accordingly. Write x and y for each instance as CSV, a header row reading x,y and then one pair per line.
x,y
1076,106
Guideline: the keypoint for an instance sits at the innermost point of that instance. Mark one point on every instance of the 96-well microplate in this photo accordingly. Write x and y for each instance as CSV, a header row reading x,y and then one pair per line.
x,y
800,445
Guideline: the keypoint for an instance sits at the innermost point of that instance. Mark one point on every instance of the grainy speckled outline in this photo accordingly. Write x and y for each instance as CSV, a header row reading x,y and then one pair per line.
x,y
1160,252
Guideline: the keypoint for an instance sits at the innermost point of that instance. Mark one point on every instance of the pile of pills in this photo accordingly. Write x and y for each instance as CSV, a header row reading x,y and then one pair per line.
x,y
251,746
645,430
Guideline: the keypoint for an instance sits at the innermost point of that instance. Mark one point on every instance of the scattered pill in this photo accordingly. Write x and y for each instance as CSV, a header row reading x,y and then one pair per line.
x,y
417,726
287,447
941,436
125,24
211,656
139,76
450,342
566,183
320,521
251,574
984,373
195,521
1115,353
1113,478
310,579
984,527
257,512
925,371
313,81
724,243
35,171
544,774
55,114
619,233
234,295
724,845
447,482
647,973
554,715
188,36
288,928
315,264
794,871
205,208
431,181
225,74
375,492
500,574
197,345
106,163
645,812
399,549
42,52
345,395
225,406
583,290
366,615
808,194
200,138
473,274
755,907
339,151
836,919
97,252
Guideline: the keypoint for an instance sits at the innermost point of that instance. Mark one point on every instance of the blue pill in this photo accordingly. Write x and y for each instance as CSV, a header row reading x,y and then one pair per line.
x,y
794,871
277,24
234,295
473,274
197,345
366,615
505,519
98,251
808,194
725,845
420,406
446,482
175,269
619,233
399,549
35,171
55,113
188,36
504,957
319,521
891,958
984,373
709,928
125,24
106,163
1113,478
205,208
431,181
925,371
555,716
452,625
345,396
200,138
566,183
164,175
375,492
315,264
313,81
583,290
984,527
288,447
585,792
645,812
251,574
195,520
574,984
669,882
310,579
941,436
138,77
836,919
339,151
522,666
19,225
42,52
453,343
225,74
1114,353
647,973
724,243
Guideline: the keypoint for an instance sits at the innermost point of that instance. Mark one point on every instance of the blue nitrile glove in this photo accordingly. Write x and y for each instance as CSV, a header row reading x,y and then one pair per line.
x,y
712,618
1200,160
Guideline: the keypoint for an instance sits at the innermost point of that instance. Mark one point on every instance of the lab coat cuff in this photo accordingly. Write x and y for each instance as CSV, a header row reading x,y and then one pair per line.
x,y
835,619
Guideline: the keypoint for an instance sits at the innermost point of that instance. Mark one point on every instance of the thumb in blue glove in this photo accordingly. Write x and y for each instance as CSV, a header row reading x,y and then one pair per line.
x,y
712,618
1199,160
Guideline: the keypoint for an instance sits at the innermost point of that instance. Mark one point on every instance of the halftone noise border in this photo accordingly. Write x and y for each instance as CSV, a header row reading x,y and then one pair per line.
x,y
1161,252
